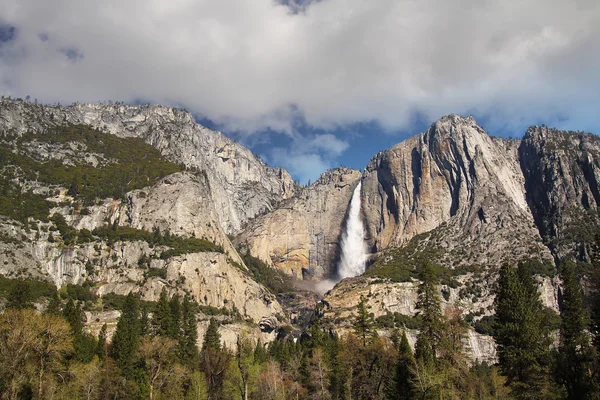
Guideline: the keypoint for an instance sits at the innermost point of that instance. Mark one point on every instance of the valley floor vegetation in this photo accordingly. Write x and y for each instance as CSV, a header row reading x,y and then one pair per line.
x,y
153,353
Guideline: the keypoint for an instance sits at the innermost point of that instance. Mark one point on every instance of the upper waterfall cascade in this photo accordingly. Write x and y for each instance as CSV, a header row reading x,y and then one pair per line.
x,y
354,255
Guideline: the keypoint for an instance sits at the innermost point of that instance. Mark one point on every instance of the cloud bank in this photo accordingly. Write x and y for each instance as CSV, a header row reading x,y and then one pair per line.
x,y
259,64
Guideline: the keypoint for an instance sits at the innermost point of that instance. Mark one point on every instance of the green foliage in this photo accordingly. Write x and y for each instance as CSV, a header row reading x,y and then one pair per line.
x,y
68,234
73,314
144,319
161,320
364,323
101,349
127,336
178,245
79,292
401,264
522,333
131,163
485,325
174,327
20,296
85,347
430,309
538,268
401,387
188,350
212,337
113,301
19,205
397,320
272,278
37,289
155,272
575,357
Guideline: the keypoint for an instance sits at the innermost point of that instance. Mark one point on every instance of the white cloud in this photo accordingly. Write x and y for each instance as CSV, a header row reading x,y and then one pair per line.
x,y
256,64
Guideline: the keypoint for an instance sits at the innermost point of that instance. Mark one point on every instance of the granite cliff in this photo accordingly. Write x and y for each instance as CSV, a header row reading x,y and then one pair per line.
x,y
452,195
302,236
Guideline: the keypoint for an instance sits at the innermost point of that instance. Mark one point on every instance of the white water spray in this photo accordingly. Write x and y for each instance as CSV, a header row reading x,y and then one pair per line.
x,y
354,255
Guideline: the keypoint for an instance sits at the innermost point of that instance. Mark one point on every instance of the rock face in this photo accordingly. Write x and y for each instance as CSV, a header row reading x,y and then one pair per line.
x,y
242,186
562,172
186,204
385,297
453,174
466,198
302,236
211,278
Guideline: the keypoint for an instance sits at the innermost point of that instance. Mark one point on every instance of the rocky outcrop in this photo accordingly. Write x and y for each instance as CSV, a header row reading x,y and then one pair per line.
x,y
211,278
562,172
456,177
302,236
385,297
242,186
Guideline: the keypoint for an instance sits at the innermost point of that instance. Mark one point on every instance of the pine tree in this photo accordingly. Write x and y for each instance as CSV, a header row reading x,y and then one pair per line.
x,y
53,306
83,343
429,304
212,337
574,352
260,354
144,321
161,319
364,323
174,329
522,333
188,347
72,314
401,387
101,350
127,336
316,334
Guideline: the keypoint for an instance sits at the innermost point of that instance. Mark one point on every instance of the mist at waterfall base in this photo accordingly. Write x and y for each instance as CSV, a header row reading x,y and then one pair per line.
x,y
353,255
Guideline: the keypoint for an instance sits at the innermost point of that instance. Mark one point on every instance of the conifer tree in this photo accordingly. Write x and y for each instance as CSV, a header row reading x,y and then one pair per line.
x,y
401,385
144,321
522,333
53,306
72,313
214,361
364,323
316,334
260,354
20,296
574,352
127,336
161,319
188,348
212,337
174,330
84,344
429,304
101,349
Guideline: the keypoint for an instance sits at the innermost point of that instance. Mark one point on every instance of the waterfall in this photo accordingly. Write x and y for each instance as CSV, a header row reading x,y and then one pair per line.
x,y
354,255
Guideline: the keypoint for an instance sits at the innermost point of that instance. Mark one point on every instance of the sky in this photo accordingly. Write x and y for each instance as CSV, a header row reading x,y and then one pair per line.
x,y
310,85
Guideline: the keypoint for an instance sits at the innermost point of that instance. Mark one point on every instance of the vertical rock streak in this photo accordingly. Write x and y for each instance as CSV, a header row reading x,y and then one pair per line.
x,y
352,261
